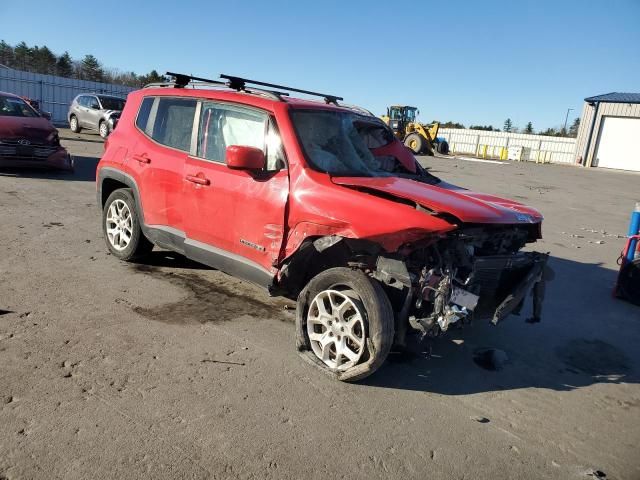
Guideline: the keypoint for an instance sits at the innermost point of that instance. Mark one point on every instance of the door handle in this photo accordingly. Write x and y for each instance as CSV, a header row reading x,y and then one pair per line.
x,y
142,158
198,179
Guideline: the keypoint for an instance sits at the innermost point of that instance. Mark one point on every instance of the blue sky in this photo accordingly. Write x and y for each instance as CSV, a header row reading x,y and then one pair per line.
x,y
476,62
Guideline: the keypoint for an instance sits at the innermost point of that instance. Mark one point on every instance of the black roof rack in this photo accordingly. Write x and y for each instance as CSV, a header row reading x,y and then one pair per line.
x,y
239,83
181,80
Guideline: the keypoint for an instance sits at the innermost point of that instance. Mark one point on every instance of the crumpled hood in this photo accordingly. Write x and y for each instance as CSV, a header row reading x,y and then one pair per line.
x,y
469,207
25,127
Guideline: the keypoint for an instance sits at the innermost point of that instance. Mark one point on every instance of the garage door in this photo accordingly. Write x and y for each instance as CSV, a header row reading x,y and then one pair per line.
x,y
619,145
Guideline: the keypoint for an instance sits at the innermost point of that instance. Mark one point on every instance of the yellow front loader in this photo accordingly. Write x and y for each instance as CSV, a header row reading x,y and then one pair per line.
x,y
418,137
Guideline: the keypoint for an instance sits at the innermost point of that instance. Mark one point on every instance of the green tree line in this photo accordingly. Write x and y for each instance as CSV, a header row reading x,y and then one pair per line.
x,y
42,60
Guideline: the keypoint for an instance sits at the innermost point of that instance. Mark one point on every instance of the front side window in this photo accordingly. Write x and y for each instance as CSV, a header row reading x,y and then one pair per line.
x,y
168,120
225,125
15,107
93,103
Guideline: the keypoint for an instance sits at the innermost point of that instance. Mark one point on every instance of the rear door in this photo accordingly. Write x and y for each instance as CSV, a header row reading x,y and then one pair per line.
x,y
166,125
93,112
235,218
82,109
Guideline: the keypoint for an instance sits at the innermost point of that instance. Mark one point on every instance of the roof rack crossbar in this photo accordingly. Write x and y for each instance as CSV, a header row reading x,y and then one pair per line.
x,y
239,83
182,80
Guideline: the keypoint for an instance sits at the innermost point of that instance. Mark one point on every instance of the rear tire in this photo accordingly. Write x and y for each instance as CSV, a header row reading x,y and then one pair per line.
x,y
443,147
121,227
415,142
344,323
74,125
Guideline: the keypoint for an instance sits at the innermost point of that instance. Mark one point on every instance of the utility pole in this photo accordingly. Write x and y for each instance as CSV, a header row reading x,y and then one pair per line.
x,y
564,130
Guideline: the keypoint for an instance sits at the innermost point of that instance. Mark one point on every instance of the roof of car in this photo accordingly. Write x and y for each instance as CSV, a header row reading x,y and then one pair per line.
x,y
10,94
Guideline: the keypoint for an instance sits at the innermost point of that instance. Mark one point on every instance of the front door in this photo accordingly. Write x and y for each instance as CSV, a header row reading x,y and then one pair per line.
x,y
234,219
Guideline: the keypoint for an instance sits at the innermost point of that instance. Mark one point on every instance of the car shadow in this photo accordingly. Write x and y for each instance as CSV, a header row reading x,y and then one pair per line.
x,y
166,258
586,337
84,171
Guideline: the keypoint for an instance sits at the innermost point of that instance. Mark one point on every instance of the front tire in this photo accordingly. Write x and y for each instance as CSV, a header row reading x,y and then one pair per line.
x,y
344,323
74,125
415,142
103,129
121,227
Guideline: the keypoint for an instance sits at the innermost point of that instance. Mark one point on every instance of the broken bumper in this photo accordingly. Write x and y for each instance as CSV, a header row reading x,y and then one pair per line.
x,y
534,281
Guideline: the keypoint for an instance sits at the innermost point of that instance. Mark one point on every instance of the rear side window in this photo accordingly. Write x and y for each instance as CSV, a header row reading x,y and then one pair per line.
x,y
168,121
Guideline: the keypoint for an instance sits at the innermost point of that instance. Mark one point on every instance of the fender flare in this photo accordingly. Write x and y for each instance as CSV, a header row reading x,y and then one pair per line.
x,y
126,179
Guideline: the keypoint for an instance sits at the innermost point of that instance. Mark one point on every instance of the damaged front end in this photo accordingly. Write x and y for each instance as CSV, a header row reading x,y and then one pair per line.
x,y
473,273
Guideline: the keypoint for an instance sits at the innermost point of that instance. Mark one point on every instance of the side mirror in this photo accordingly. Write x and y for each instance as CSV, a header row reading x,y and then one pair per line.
x,y
46,115
95,106
240,157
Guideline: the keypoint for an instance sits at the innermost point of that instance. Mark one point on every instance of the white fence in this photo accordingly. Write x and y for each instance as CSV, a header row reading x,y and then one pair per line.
x,y
54,93
540,148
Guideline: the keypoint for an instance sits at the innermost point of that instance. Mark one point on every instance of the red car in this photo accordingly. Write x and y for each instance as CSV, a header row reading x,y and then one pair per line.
x,y
318,202
27,137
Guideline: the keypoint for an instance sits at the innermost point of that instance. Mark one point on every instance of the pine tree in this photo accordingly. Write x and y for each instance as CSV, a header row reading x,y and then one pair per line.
x,y
23,56
573,129
528,128
91,69
508,125
44,61
7,56
152,77
64,65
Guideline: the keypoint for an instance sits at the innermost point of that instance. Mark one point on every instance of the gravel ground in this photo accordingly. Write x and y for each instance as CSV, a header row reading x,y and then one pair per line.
x,y
172,370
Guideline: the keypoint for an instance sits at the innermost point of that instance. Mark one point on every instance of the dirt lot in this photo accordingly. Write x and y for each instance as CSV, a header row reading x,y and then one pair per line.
x,y
172,370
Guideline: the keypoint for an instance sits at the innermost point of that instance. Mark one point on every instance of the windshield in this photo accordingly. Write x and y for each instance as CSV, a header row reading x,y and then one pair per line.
x,y
15,107
341,144
111,103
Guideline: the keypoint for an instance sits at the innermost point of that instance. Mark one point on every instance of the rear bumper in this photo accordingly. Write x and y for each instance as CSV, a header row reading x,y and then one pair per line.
x,y
58,159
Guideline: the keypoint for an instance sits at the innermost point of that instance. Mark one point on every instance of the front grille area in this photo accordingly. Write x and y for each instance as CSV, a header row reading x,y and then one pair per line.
x,y
35,150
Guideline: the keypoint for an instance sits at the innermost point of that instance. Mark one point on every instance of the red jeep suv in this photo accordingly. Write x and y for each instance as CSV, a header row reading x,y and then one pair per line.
x,y
316,201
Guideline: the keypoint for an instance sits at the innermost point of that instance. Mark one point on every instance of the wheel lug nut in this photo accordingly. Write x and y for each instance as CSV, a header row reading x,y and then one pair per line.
x,y
331,334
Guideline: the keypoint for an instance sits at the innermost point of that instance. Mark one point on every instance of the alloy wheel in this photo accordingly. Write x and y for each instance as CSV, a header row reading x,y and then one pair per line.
x,y
119,224
335,326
